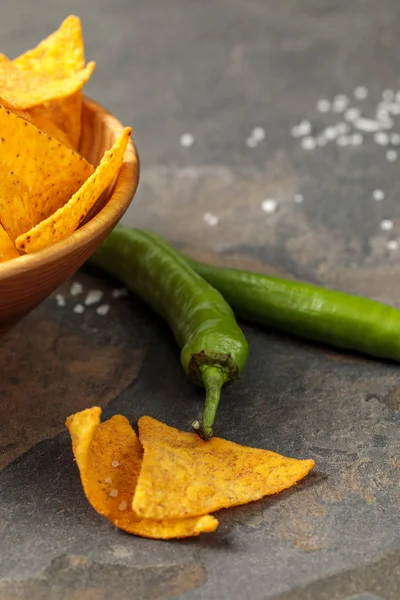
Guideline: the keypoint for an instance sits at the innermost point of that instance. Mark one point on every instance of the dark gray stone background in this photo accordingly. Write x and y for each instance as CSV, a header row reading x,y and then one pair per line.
x,y
217,68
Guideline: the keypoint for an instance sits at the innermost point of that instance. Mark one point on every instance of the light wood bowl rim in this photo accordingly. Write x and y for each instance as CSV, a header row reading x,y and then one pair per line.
x,y
124,189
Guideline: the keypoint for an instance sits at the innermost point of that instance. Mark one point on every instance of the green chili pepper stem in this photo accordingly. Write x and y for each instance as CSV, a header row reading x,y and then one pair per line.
x,y
213,379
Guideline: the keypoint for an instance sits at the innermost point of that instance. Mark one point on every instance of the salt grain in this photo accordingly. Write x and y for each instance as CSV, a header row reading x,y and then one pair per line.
x,y
93,297
298,198
378,195
60,300
115,463
251,142
211,219
368,125
258,134
352,114
330,133
342,128
387,225
119,292
340,103
269,205
381,138
393,245
360,92
308,143
395,139
108,480
323,105
79,309
123,505
305,127
103,309
187,140
357,139
76,288
113,493
391,155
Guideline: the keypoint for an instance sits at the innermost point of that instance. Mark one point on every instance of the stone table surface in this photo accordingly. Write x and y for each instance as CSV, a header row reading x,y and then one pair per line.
x,y
216,69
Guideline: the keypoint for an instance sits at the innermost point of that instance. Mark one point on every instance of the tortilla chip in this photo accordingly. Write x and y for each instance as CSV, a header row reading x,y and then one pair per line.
x,y
60,55
68,218
39,117
109,457
7,248
37,174
21,89
184,476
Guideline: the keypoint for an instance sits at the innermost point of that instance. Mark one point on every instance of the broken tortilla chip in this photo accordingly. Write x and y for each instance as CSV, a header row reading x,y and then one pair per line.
x,y
21,89
37,174
109,458
184,476
59,55
67,219
7,248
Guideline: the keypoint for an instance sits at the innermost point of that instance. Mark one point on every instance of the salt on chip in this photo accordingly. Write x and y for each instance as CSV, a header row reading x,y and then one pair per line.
x,y
37,174
7,248
184,476
59,55
109,458
21,89
68,218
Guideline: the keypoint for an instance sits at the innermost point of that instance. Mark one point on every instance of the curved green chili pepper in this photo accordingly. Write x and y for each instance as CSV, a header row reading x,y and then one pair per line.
x,y
213,347
308,311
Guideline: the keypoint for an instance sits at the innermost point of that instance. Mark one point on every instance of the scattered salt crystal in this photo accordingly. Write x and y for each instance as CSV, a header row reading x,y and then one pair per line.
x,y
298,198
76,288
323,105
388,95
115,463
393,245
357,139
305,127
367,124
352,114
60,300
258,134
210,219
108,480
187,140
103,309
387,225
378,195
391,155
93,297
113,493
251,142
269,205
342,128
119,292
308,143
381,138
340,103
79,309
395,139
360,92
330,133
296,131
123,505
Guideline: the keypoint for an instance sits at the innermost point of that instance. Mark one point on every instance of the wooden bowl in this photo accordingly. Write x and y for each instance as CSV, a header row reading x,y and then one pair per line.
x,y
27,280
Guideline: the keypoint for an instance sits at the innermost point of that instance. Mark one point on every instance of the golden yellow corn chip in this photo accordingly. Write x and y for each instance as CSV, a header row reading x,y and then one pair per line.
x,y
39,117
60,55
37,174
183,476
68,218
21,89
109,457
7,248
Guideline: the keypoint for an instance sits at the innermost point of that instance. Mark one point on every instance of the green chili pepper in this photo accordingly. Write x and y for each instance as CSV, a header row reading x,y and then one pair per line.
x,y
308,311
213,347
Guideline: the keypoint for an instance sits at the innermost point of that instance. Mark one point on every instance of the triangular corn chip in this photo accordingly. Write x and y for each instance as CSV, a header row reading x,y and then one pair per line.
x,y
109,457
59,55
37,174
38,116
184,476
68,218
21,89
7,248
